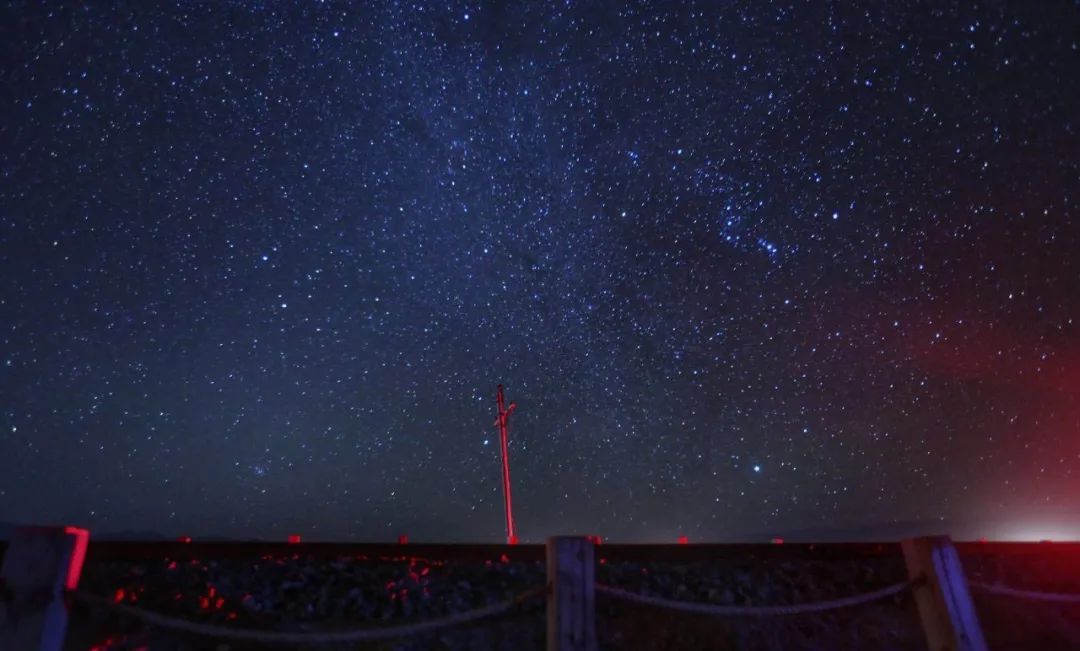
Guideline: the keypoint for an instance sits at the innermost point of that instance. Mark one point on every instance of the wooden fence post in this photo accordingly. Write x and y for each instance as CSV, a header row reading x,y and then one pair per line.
x,y
948,616
40,564
571,608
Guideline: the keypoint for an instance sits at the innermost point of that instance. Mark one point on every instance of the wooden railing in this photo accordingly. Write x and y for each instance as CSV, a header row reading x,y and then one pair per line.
x,y
41,568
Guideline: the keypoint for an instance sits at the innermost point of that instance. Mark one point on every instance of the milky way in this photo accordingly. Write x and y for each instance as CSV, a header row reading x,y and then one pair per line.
x,y
753,269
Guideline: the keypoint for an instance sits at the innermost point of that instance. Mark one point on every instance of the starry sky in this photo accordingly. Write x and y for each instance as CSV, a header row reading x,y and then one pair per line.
x,y
747,268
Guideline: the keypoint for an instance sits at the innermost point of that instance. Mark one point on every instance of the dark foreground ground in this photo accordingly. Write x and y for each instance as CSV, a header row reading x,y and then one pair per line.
x,y
338,587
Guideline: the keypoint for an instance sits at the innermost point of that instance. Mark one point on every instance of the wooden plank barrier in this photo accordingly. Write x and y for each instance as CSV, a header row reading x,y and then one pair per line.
x,y
571,607
942,596
42,563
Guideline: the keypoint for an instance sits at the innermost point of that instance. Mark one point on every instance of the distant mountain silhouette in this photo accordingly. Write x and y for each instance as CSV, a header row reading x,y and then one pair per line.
x,y
6,528
887,531
967,529
129,535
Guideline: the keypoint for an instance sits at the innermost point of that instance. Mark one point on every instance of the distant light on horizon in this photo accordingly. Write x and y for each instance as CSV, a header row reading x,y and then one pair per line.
x,y
1045,528
1062,533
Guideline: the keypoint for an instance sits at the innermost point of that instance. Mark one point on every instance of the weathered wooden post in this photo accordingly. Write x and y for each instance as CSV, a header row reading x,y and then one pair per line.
x,y
571,608
40,564
945,608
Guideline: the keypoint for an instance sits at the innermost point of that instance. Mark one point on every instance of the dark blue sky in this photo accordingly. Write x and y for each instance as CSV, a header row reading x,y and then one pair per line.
x,y
746,267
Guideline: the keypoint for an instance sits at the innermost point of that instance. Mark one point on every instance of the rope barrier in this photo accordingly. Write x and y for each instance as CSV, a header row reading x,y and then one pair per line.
x,y
754,611
282,638
1034,595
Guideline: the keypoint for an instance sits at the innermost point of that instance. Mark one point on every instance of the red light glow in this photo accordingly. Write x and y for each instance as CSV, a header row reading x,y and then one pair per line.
x,y
294,539
78,556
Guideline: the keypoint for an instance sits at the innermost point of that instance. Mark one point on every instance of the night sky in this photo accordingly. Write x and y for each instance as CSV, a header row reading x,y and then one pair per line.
x,y
747,268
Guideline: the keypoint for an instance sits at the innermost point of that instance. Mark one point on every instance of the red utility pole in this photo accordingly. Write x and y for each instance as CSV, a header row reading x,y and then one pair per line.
x,y
502,423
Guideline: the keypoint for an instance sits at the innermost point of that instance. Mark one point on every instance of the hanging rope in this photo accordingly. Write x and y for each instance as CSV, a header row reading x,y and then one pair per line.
x,y
754,611
1032,595
281,638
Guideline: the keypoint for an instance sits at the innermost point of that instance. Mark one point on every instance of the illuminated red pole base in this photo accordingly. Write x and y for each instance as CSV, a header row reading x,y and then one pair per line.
x,y
294,539
683,540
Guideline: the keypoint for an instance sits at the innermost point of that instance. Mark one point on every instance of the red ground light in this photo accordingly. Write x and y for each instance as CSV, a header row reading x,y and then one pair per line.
x,y
294,539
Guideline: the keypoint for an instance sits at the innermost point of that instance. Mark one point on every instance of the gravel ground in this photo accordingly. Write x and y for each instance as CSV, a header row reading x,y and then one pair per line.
x,y
297,593
888,625
1011,623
